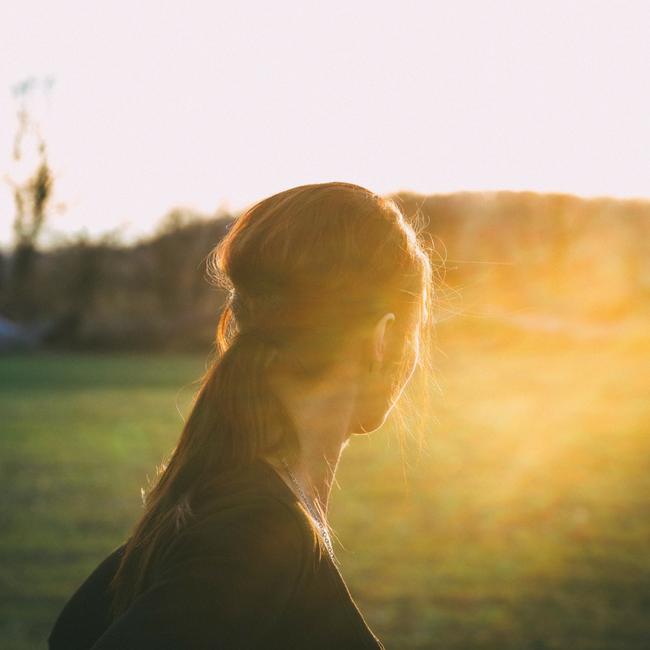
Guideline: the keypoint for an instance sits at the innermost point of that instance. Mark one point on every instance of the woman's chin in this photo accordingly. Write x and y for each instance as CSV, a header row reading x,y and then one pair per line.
x,y
369,426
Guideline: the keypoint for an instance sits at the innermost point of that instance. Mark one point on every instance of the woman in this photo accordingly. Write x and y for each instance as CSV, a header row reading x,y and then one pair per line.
x,y
327,311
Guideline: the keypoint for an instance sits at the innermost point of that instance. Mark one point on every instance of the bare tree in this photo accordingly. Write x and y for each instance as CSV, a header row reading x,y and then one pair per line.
x,y
31,199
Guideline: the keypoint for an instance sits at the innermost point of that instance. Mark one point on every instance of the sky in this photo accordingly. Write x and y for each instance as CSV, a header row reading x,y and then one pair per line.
x,y
147,105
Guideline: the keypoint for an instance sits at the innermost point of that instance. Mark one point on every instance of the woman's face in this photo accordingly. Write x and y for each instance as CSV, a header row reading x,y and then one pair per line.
x,y
381,386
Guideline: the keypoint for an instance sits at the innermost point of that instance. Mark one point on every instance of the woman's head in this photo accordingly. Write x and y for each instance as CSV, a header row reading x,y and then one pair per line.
x,y
310,273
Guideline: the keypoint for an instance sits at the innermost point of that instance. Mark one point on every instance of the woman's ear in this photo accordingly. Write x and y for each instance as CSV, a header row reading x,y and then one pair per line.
x,y
379,337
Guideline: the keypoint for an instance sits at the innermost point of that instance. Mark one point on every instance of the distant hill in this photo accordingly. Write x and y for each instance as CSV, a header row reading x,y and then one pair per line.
x,y
588,257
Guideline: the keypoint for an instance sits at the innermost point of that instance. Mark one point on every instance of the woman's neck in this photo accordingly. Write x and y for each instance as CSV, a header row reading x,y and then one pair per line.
x,y
322,416
314,474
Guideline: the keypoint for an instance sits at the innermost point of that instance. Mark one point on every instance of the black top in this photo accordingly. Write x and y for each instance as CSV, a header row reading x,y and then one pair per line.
x,y
250,572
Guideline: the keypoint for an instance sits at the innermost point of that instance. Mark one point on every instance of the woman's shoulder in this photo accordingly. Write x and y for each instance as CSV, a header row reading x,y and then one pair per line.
x,y
256,493
254,517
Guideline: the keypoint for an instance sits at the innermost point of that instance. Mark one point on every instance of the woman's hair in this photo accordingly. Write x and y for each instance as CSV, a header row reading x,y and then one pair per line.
x,y
309,272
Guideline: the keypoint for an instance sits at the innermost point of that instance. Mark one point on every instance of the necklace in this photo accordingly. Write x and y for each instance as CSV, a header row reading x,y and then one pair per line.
x,y
316,518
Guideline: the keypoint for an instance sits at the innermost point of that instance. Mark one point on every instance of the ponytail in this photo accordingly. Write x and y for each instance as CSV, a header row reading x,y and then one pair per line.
x,y
236,419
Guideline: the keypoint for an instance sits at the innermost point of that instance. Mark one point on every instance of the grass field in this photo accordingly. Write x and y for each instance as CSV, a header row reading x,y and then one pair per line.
x,y
525,524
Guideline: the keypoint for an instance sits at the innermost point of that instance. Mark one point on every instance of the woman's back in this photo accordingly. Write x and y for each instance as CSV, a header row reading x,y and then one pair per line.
x,y
250,572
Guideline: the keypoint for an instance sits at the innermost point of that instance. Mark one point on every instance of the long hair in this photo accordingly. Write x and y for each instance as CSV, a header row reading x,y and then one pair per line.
x,y
308,272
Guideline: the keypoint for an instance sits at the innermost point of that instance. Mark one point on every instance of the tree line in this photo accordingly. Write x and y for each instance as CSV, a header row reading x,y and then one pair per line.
x,y
577,258
104,294
574,257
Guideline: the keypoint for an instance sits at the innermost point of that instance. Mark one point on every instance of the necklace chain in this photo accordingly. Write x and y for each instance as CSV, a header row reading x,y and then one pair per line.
x,y
317,519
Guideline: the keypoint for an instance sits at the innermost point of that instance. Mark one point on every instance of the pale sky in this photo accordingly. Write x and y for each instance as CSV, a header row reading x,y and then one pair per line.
x,y
161,103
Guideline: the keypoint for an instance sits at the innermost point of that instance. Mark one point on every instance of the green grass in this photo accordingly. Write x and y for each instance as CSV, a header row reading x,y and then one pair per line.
x,y
79,435
525,524
527,521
